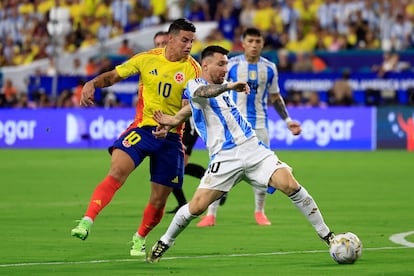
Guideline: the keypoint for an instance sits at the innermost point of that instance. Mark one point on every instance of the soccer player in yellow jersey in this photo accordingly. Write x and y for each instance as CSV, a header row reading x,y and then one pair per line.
x,y
164,73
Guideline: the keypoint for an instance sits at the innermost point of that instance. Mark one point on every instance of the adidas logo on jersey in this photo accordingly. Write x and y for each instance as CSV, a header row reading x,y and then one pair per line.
x,y
154,72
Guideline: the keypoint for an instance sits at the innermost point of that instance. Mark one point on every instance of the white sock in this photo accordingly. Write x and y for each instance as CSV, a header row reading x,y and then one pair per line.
x,y
305,203
259,199
182,218
213,207
88,218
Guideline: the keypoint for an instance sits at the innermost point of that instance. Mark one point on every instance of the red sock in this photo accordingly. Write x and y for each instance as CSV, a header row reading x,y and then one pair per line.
x,y
102,196
150,219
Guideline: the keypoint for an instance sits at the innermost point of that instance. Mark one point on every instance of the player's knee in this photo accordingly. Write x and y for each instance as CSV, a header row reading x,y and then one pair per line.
x,y
283,180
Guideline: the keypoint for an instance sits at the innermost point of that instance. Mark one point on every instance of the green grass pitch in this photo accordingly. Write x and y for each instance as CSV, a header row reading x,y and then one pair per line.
x,y
43,192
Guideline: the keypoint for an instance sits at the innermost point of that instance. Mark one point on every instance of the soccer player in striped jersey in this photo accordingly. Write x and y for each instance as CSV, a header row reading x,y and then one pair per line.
x,y
262,77
235,151
164,73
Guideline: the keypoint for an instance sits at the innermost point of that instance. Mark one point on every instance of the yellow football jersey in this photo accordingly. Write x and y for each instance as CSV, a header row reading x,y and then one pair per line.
x,y
161,83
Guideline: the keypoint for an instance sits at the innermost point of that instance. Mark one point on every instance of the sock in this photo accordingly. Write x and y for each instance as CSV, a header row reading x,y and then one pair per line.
x,y
305,203
259,199
212,208
150,219
101,196
194,170
179,195
180,221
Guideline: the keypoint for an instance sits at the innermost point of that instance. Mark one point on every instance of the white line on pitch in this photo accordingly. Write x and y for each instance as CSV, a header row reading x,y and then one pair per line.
x,y
191,257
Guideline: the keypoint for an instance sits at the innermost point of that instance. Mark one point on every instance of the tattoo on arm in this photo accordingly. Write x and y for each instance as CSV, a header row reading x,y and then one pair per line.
x,y
280,107
211,90
103,80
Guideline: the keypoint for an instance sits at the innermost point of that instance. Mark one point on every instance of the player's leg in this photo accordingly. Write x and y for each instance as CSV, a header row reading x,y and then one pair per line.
x,y
224,171
194,170
283,180
167,171
181,200
260,195
198,204
121,166
259,213
210,218
152,216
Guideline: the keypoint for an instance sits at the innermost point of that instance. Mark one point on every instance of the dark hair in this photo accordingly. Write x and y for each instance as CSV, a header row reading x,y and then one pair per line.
x,y
181,24
251,32
159,33
211,50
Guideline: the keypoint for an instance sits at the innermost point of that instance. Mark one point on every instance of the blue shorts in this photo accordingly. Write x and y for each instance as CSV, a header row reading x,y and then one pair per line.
x,y
166,155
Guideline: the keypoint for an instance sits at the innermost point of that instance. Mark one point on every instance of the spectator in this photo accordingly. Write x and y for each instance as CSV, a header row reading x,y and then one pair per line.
x,y
391,63
9,91
284,65
76,69
175,9
197,13
110,100
124,49
314,100
401,31
105,65
91,68
104,30
341,93
228,23
51,69
264,15
24,102
294,99
303,63
318,64
247,13
290,17
64,100
77,92
120,11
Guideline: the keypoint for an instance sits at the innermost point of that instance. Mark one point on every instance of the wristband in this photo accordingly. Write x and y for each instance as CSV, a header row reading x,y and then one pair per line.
x,y
288,120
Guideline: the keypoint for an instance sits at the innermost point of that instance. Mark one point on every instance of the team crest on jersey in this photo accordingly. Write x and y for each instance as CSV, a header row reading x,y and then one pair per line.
x,y
126,143
252,75
179,77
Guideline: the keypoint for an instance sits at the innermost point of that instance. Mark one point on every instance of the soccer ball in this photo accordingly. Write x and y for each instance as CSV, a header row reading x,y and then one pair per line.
x,y
345,248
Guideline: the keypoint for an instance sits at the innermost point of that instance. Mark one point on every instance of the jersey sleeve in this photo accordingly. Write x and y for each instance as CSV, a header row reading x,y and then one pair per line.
x,y
129,67
274,85
192,86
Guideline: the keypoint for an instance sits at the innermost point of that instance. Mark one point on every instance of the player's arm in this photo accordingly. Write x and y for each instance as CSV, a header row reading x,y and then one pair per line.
x,y
279,104
103,80
213,90
167,121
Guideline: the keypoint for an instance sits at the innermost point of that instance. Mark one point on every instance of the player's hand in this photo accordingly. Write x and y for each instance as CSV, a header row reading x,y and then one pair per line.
x,y
164,119
87,98
294,127
161,131
239,86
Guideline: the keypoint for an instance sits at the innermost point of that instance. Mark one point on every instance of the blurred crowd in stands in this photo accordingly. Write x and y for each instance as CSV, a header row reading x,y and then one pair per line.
x,y
291,27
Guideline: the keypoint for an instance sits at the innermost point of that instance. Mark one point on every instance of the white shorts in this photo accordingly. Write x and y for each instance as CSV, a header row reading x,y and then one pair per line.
x,y
251,161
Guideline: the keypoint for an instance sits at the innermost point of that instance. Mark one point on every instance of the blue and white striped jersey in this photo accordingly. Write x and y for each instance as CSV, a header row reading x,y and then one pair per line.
x,y
217,120
262,78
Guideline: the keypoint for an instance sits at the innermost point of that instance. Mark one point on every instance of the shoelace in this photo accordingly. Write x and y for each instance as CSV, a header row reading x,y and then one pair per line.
x,y
160,249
